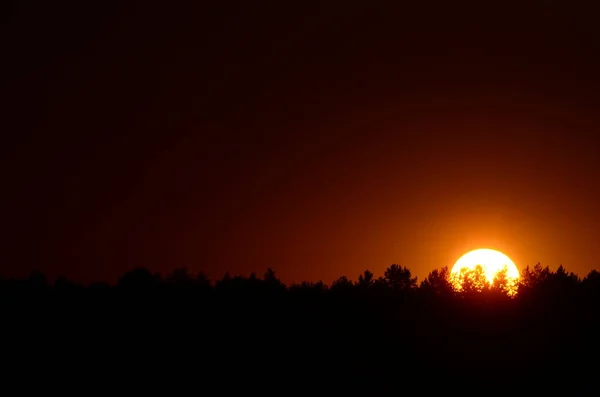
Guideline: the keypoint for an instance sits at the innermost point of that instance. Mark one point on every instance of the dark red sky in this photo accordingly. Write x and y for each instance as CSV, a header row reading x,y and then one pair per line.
x,y
318,140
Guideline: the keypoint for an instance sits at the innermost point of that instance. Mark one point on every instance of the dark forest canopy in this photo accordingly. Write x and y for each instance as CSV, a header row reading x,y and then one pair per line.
x,y
395,279
371,333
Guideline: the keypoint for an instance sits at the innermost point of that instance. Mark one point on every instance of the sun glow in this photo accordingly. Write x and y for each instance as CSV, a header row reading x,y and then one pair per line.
x,y
494,264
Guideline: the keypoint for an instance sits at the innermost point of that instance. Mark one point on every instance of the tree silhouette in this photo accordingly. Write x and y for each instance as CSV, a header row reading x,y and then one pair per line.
x,y
203,281
590,289
342,284
180,277
438,283
591,282
535,277
563,280
62,283
224,282
272,281
366,279
504,285
399,278
319,286
138,278
471,281
543,283
593,278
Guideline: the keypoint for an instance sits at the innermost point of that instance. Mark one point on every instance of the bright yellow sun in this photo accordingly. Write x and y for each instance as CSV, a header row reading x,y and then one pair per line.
x,y
492,263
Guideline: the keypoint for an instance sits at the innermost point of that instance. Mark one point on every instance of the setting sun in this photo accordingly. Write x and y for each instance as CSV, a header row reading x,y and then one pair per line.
x,y
492,263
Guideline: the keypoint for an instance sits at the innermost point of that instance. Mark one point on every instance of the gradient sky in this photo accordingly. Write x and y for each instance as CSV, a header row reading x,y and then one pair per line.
x,y
318,140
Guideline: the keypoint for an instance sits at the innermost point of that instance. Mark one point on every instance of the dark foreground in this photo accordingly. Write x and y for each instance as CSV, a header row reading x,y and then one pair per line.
x,y
273,339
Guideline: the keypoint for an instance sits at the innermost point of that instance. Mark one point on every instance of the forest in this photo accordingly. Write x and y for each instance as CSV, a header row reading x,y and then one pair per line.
x,y
379,334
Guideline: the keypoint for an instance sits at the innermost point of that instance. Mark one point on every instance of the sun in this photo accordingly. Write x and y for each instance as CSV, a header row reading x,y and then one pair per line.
x,y
492,262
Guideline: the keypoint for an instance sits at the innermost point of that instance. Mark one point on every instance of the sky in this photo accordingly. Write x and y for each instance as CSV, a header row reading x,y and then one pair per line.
x,y
317,139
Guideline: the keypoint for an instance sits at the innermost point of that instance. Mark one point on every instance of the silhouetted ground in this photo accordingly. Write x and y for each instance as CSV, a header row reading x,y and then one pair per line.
x,y
254,334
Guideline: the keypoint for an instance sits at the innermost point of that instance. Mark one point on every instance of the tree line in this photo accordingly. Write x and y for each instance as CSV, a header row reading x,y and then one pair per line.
x,y
375,334
396,278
